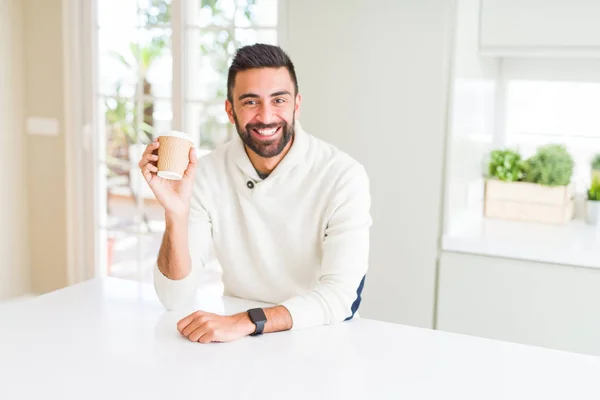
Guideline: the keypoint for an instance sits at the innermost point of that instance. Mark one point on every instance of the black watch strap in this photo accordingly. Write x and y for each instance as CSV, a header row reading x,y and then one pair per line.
x,y
259,319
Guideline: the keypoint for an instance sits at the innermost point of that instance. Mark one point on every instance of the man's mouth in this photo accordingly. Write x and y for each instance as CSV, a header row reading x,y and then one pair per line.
x,y
267,132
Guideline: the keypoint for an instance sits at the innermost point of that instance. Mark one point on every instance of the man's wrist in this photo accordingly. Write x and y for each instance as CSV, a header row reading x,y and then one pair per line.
x,y
245,324
175,220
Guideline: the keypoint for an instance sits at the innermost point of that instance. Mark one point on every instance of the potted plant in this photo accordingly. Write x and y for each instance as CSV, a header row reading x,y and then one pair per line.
x,y
596,166
537,189
552,165
506,165
593,202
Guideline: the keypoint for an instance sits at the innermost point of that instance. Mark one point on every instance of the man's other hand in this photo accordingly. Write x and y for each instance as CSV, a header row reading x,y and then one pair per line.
x,y
206,327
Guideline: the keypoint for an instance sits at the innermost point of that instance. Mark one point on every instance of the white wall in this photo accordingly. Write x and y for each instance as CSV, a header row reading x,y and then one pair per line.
x,y
14,263
45,97
374,80
472,110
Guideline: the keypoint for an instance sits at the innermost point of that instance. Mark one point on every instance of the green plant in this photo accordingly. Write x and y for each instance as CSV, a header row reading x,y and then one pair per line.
x,y
120,117
552,165
218,48
139,61
593,193
596,162
506,165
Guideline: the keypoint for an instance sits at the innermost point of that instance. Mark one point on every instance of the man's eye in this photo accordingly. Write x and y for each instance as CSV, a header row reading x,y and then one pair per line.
x,y
250,103
279,101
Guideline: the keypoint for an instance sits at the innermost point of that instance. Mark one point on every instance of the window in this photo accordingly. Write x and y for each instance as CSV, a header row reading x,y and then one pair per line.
x,y
162,64
543,111
213,30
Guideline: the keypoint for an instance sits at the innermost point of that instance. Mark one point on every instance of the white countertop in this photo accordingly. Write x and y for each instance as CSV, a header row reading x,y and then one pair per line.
x,y
111,339
576,243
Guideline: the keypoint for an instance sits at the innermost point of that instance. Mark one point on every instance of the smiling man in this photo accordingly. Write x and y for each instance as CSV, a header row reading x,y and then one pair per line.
x,y
284,215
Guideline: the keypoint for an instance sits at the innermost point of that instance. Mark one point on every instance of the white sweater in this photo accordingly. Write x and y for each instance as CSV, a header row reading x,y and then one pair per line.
x,y
299,238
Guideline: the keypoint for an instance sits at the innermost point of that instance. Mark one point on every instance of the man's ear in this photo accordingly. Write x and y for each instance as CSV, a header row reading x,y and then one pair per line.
x,y
229,111
297,105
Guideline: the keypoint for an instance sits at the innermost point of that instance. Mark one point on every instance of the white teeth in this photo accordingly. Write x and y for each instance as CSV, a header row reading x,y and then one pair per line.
x,y
266,132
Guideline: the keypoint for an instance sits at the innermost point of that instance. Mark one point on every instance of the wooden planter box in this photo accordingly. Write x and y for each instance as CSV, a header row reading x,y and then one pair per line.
x,y
521,201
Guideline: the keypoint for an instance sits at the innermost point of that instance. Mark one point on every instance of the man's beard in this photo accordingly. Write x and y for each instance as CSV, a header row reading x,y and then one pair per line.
x,y
266,148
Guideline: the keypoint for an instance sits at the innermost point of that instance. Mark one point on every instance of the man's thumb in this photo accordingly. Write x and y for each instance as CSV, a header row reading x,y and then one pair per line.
x,y
190,171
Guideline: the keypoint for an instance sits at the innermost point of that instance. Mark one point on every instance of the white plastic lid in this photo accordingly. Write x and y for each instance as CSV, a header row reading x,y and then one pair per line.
x,y
169,175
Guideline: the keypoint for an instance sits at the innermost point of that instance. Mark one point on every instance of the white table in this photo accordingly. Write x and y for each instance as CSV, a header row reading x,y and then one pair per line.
x,y
111,339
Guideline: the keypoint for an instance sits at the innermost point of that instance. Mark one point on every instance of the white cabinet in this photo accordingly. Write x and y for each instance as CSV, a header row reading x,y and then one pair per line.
x,y
540,27
541,304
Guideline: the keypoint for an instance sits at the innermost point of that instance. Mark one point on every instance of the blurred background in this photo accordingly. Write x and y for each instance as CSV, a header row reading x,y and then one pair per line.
x,y
478,122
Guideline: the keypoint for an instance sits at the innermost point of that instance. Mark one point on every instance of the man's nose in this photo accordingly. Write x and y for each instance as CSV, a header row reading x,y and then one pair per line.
x,y
266,114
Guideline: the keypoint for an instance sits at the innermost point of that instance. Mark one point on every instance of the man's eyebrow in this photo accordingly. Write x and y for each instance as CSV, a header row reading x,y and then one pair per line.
x,y
255,96
247,95
280,93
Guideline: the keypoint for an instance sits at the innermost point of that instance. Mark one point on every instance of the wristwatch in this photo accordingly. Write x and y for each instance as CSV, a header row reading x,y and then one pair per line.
x,y
258,318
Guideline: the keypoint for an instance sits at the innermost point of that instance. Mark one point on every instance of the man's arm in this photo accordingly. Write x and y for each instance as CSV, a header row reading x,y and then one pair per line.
x,y
205,327
278,319
174,258
343,266
182,267
176,275
345,259
174,282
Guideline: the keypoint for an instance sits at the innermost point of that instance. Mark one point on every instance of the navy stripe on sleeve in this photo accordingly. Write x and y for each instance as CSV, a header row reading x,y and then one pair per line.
x,y
356,303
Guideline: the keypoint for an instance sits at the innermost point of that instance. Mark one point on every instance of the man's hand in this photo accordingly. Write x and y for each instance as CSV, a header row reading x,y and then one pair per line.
x,y
205,327
174,196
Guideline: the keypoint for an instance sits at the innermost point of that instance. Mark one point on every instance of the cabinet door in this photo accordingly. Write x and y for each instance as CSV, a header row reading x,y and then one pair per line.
x,y
554,306
540,24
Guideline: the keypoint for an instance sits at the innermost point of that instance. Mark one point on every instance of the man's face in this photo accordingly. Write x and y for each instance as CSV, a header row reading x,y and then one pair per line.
x,y
264,108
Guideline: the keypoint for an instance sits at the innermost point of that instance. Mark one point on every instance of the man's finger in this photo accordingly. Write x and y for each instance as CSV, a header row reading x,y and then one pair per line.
x,y
186,320
193,156
148,152
150,148
147,175
148,159
197,333
191,327
148,171
207,337
190,171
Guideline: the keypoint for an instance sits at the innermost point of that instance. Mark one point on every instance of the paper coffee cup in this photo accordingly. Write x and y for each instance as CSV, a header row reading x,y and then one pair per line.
x,y
173,154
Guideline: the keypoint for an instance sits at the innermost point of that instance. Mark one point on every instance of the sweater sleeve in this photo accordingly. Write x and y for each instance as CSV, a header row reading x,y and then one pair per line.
x,y
205,273
345,259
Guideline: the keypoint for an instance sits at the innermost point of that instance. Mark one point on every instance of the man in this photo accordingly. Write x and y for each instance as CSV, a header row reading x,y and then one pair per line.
x,y
284,214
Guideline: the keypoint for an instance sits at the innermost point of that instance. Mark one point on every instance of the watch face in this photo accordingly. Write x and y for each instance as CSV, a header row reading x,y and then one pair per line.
x,y
257,315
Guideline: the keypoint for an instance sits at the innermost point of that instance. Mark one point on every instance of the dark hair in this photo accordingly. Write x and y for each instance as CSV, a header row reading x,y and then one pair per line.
x,y
259,56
